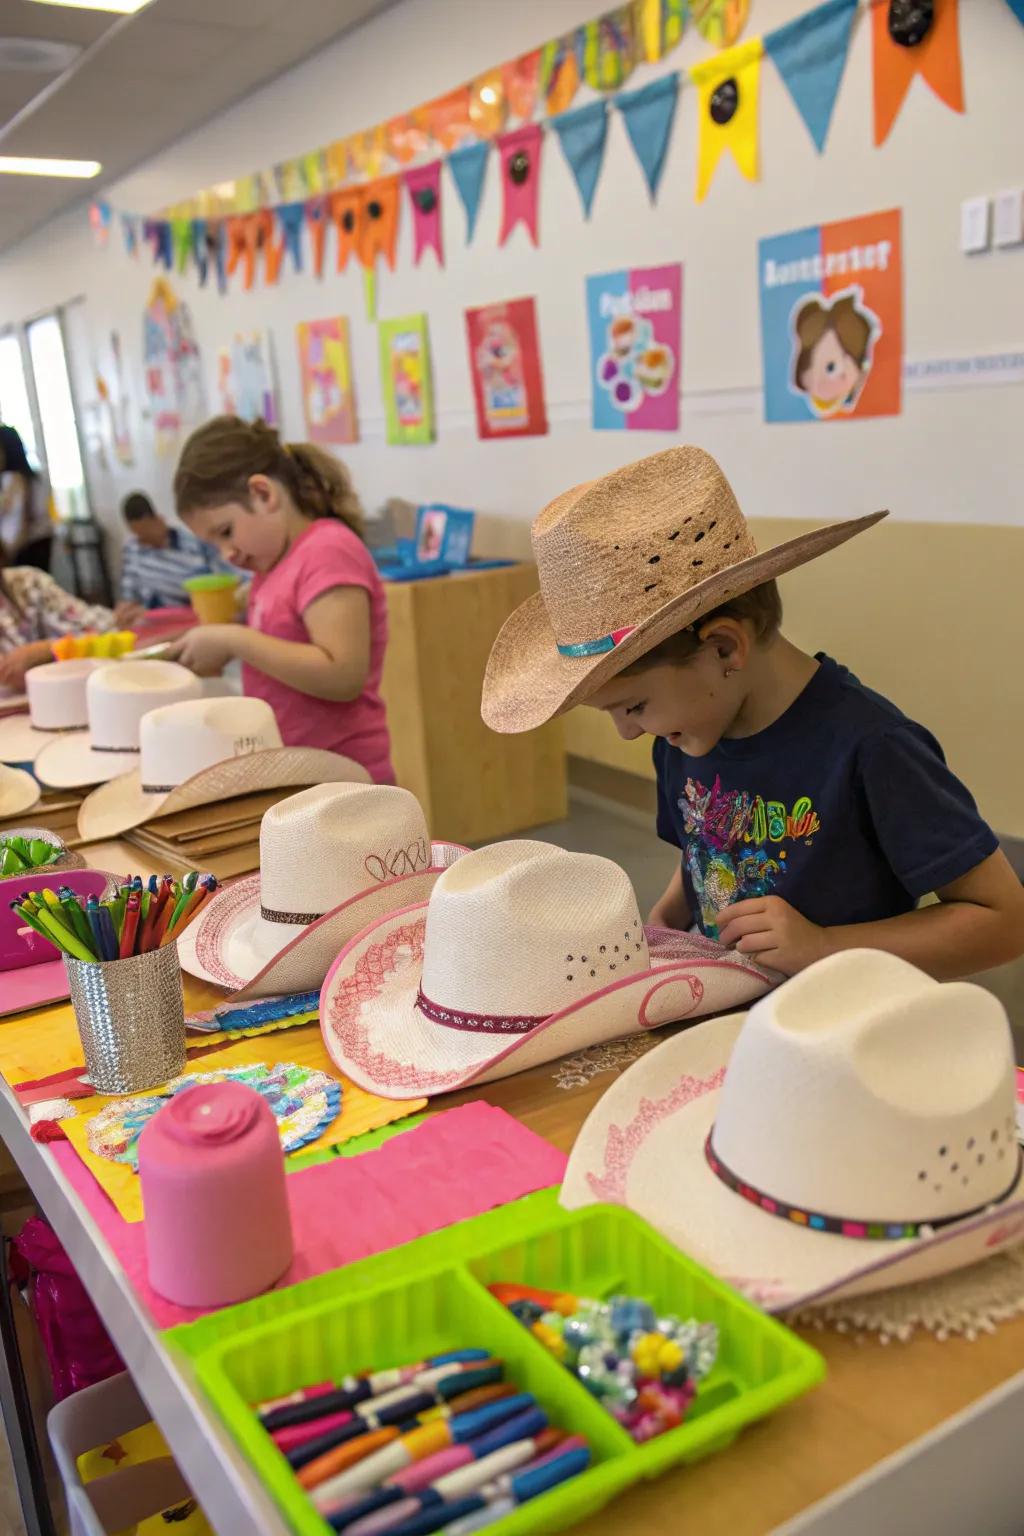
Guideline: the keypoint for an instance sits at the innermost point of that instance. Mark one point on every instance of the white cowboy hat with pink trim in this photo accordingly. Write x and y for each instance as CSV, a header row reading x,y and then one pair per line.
x,y
523,953
201,752
333,858
117,695
856,1130
56,703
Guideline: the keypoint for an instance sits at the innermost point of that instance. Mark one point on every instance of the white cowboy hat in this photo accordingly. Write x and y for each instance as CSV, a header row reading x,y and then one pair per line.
x,y
202,752
56,702
18,791
117,696
332,859
524,953
856,1131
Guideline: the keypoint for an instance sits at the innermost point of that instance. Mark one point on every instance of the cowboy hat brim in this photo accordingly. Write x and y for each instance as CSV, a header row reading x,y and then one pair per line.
x,y
18,791
527,681
122,804
72,762
659,1114
305,954
375,1033
21,742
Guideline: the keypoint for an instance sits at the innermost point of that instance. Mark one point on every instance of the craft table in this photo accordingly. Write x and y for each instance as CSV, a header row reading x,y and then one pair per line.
x,y
909,1438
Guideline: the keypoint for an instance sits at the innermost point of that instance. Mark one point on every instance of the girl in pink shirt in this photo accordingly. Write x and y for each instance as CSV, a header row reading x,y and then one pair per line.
x,y
314,643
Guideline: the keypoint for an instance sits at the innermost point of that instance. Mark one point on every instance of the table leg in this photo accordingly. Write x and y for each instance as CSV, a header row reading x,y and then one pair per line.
x,y
29,1474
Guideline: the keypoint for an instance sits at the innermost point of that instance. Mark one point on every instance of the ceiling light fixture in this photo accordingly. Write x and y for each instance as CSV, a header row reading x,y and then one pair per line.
x,y
119,7
29,165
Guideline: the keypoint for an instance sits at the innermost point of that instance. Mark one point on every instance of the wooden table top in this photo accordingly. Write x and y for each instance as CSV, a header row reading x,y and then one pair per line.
x,y
875,1401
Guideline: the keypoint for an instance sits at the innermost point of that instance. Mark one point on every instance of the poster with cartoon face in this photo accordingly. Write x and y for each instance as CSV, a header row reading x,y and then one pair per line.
x,y
635,320
504,360
832,320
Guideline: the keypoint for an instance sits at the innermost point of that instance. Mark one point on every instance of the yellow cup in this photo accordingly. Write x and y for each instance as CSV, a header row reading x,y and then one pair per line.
x,y
213,598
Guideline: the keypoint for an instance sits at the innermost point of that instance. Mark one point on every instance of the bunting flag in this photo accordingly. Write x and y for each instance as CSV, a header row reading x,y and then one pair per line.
x,y
609,49
448,117
468,167
314,172
157,232
407,136
200,250
727,117
520,179
936,57
316,223
336,158
291,217
259,237
346,205
181,242
211,235
424,184
101,217
130,233
810,55
559,73
366,151
378,233
488,108
648,115
522,83
719,22
1017,7
582,134
659,27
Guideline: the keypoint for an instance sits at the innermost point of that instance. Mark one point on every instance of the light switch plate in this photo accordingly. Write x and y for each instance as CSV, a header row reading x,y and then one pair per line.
x,y
1008,224
974,225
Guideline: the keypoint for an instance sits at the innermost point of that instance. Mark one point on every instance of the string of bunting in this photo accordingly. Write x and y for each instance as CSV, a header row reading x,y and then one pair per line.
x,y
355,186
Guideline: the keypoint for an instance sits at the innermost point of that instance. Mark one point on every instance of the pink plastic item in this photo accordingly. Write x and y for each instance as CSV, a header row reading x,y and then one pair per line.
x,y
78,1348
218,1229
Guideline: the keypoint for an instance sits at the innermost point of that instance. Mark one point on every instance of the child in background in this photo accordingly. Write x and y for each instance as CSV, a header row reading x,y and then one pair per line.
x,y
811,815
313,646
157,559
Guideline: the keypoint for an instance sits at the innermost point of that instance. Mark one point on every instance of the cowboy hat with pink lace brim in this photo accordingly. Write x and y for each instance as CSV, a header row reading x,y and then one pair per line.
x,y
333,858
853,1132
522,954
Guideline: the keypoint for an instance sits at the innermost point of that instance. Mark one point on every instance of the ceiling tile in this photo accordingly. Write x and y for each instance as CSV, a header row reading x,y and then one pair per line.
x,y
166,50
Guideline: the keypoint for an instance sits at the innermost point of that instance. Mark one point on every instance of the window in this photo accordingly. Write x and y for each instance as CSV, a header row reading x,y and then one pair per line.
x,y
57,417
15,409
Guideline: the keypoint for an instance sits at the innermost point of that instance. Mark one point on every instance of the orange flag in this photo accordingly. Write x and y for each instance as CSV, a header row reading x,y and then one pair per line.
x,y
937,58
237,247
379,223
346,214
259,236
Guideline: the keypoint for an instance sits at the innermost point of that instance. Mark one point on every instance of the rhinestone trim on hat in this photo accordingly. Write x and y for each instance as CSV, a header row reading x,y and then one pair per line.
x,y
842,1226
269,915
481,1023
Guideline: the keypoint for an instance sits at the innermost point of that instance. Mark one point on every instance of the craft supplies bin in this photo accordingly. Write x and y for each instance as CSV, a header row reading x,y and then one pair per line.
x,y
131,1019
96,1416
431,1296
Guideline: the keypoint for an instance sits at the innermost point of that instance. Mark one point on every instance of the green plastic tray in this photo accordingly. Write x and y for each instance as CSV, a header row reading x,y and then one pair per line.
x,y
431,1296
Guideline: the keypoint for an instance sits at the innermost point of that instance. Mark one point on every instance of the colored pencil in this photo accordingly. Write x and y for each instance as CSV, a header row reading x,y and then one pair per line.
x,y
130,927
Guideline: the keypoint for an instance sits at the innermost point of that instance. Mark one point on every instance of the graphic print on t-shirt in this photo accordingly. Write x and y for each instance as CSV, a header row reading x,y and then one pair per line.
x,y
733,850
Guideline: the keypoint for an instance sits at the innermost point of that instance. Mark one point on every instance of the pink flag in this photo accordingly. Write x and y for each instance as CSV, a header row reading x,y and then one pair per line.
x,y
520,179
424,184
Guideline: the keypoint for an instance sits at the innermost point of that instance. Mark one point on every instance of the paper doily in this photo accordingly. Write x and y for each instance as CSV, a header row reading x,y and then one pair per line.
x,y
304,1103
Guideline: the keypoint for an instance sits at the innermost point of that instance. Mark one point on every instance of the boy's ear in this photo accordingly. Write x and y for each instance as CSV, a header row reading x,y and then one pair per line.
x,y
729,638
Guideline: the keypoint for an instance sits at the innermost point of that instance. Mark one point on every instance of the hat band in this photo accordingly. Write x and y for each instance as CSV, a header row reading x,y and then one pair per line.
x,y
842,1226
600,646
478,1023
271,915
96,748
157,789
56,730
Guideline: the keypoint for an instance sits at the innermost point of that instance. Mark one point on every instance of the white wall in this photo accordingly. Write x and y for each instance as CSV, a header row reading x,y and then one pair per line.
x,y
952,455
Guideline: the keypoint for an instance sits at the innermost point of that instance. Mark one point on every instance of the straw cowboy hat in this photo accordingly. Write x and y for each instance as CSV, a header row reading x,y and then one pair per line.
x,y
523,953
18,791
624,562
855,1132
56,702
201,752
333,859
117,696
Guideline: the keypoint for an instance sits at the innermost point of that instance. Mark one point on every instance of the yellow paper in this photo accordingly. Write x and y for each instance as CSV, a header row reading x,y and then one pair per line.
x,y
740,133
39,1044
360,1111
133,1449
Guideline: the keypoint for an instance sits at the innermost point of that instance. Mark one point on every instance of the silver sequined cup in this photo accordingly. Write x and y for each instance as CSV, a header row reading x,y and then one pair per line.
x,y
131,1019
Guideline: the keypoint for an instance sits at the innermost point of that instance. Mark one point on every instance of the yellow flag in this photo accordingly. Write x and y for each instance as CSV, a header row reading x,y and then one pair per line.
x,y
727,113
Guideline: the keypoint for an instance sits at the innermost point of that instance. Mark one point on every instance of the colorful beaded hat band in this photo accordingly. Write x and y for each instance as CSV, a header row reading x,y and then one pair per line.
x,y
841,1226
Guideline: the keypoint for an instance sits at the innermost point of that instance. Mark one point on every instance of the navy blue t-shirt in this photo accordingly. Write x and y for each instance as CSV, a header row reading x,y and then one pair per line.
x,y
842,806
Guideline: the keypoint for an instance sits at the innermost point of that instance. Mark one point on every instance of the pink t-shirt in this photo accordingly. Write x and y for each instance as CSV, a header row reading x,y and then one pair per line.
x,y
328,555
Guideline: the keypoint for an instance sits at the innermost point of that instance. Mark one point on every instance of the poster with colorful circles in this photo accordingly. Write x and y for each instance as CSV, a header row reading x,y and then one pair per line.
x,y
636,333
832,320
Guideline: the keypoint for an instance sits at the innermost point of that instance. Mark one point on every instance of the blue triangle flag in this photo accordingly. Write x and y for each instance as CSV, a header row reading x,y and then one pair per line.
x,y
810,55
200,250
648,115
467,166
1017,7
292,218
582,134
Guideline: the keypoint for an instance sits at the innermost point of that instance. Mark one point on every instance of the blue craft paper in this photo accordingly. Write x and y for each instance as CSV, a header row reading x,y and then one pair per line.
x,y
468,166
810,55
648,115
293,217
582,134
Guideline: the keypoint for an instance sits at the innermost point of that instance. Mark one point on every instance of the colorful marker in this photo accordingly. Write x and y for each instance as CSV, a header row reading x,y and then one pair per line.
x,y
303,1447
354,1389
528,1425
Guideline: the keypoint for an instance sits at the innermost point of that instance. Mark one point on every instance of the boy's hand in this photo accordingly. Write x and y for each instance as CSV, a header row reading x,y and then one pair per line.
x,y
773,933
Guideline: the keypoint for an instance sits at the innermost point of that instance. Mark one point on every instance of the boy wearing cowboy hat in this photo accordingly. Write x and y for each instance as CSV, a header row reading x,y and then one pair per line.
x,y
811,815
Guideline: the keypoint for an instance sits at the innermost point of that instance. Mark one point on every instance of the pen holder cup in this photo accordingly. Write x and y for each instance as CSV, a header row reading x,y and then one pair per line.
x,y
131,1019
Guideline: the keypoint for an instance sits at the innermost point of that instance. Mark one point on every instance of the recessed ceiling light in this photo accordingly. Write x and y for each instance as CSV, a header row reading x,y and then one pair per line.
x,y
37,55
120,7
27,165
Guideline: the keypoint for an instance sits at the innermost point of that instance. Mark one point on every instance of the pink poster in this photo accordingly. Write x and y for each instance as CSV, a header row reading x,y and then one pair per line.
x,y
636,335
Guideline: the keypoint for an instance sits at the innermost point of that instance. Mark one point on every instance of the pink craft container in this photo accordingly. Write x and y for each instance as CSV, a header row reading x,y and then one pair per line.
x,y
218,1228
